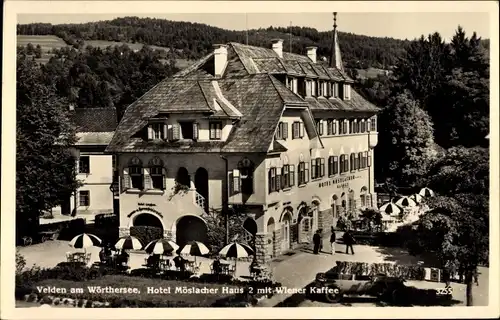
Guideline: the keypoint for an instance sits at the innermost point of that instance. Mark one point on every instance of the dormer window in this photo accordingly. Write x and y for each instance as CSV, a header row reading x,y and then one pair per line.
x,y
346,91
157,130
188,130
335,90
215,130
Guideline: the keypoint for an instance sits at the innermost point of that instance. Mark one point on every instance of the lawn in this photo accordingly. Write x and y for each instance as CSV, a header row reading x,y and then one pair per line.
x,y
179,299
46,42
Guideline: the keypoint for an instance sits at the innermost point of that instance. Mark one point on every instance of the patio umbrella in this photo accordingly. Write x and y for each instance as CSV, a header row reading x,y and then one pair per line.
x,y
194,248
85,240
128,243
426,192
406,202
161,246
236,250
416,197
390,208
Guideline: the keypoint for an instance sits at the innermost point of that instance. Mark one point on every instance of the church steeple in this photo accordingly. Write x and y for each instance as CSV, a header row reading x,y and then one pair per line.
x,y
335,58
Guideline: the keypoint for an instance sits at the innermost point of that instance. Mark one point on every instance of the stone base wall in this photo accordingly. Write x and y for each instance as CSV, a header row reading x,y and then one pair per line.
x,y
261,248
326,220
276,243
123,232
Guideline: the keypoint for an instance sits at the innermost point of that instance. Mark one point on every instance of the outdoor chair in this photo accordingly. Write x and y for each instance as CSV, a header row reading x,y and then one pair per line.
x,y
69,256
231,270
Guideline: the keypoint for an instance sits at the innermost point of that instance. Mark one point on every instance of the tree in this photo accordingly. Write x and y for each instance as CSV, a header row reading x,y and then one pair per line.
x,y
38,51
45,168
406,146
457,227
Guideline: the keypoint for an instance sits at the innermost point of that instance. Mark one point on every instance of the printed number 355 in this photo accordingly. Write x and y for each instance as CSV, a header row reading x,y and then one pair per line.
x,y
445,291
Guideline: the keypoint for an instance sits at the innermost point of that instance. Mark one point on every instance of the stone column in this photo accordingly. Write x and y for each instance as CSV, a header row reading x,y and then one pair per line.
x,y
276,243
123,232
167,234
260,248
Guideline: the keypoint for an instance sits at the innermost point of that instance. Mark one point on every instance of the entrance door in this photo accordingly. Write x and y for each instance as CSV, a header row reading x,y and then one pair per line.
x,y
285,231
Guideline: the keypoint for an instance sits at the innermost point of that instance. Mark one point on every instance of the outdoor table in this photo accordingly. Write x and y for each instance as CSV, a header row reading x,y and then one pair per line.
x,y
47,235
224,266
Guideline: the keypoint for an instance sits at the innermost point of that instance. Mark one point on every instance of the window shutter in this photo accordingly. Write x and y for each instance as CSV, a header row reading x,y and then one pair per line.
x,y
278,135
292,175
195,131
77,199
313,169
270,180
176,134
147,179
306,171
77,166
284,175
126,180
165,131
301,129
322,167
150,132
164,173
335,165
236,181
278,179
285,130
369,160
368,125
352,161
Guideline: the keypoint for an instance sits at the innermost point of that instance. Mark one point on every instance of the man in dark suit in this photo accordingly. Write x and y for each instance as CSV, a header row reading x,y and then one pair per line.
x,y
349,241
333,238
317,242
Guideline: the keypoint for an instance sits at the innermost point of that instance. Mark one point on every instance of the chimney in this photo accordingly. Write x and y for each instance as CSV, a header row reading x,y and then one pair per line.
x,y
278,47
311,53
220,59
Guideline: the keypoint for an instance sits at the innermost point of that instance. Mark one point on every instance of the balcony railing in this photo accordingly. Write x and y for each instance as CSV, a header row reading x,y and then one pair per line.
x,y
199,200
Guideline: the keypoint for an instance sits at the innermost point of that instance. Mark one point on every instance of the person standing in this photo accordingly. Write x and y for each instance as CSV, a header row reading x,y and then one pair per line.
x,y
317,242
349,241
333,238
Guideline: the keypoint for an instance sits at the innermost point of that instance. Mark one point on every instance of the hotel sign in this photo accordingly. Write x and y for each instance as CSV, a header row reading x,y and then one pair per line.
x,y
341,183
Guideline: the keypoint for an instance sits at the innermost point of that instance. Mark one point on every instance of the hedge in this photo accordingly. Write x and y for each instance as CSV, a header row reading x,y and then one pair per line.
x,y
146,234
407,272
385,239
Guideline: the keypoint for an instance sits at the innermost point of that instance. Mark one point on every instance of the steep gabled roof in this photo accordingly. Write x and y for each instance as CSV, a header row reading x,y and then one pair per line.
x,y
94,119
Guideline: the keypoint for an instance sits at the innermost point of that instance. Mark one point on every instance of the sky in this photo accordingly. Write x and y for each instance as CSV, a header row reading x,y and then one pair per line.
x,y
399,25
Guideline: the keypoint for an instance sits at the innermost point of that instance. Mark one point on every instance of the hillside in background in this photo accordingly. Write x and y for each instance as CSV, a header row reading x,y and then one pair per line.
x,y
193,40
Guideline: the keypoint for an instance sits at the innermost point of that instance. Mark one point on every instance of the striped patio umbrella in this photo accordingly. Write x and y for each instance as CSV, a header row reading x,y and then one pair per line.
x,y
84,241
194,248
406,202
236,250
161,246
416,197
426,192
128,243
390,209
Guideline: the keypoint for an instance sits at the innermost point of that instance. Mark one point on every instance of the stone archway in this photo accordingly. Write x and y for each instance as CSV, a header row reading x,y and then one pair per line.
x,y
146,227
303,226
188,228
286,220
183,178
314,214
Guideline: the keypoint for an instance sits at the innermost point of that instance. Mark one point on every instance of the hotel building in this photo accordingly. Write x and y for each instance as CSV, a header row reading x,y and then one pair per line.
x,y
281,137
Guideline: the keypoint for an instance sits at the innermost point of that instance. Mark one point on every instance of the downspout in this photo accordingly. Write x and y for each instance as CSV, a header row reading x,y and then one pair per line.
x,y
225,199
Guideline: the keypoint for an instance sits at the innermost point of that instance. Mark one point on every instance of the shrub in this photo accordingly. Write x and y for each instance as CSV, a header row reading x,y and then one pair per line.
x,y
408,272
20,263
146,234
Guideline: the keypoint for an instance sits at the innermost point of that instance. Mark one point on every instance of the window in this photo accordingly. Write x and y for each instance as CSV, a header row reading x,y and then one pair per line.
x,y
313,88
303,173
320,89
189,130
157,175
353,161
297,130
351,125
319,126
343,126
335,88
344,163
136,173
368,159
215,130
373,124
274,180
282,131
84,198
288,176
84,164
362,128
346,91
157,131
317,168
333,165
246,168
